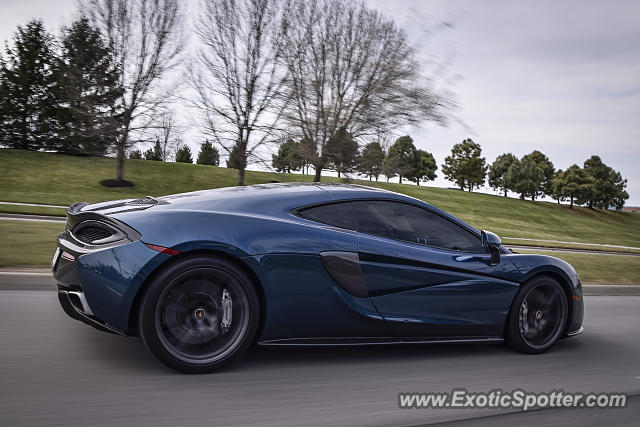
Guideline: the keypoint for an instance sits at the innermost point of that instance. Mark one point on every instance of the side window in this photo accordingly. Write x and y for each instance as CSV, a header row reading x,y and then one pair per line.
x,y
409,223
336,214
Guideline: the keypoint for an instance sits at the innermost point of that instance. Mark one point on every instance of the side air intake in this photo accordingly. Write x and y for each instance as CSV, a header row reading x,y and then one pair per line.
x,y
344,268
96,233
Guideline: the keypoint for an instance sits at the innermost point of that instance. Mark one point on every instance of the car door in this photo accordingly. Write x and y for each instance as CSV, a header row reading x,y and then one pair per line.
x,y
428,276
337,301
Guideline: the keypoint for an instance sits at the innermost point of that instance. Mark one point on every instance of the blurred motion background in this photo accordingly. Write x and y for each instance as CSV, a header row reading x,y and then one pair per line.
x,y
535,103
518,117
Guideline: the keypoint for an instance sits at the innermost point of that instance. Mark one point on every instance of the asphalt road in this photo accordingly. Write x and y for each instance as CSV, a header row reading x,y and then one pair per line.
x,y
55,371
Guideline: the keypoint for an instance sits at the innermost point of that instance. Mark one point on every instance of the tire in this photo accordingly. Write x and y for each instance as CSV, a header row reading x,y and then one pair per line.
x,y
199,314
538,316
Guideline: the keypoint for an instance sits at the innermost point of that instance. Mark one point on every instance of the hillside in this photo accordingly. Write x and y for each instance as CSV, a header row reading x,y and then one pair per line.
x,y
61,180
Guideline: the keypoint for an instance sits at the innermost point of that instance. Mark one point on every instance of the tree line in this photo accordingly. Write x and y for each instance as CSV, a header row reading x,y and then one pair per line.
x,y
208,154
343,153
594,184
533,176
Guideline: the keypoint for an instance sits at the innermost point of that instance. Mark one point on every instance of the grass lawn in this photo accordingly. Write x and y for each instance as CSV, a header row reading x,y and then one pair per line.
x,y
62,180
28,244
606,269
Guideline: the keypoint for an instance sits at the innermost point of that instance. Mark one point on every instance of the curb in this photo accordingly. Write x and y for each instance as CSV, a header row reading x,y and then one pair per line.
x,y
34,218
32,204
570,250
611,290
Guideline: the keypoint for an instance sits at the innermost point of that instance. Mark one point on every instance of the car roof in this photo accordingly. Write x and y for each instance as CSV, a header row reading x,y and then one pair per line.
x,y
286,190
281,199
272,197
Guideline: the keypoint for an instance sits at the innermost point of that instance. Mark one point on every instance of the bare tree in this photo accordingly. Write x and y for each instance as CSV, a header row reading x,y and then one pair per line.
x,y
237,75
166,130
351,68
145,37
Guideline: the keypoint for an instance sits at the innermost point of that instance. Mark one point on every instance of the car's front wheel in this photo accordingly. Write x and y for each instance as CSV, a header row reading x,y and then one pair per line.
x,y
199,314
538,315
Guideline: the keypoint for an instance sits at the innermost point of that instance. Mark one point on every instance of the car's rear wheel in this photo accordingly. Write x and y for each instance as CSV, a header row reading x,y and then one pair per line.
x,y
538,315
199,314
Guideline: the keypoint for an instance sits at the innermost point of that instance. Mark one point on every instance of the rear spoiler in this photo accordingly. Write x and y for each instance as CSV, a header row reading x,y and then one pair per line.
x,y
75,208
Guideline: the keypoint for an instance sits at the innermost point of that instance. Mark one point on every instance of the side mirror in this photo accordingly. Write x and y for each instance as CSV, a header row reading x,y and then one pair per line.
x,y
491,242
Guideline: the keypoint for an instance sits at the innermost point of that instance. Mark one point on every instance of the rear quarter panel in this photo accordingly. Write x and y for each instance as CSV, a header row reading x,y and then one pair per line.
x,y
301,298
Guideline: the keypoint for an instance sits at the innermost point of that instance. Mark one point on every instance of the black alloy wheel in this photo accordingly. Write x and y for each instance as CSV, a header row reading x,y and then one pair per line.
x,y
538,315
199,314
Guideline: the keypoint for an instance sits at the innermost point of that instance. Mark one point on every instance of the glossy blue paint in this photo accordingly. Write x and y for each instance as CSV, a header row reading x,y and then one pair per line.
x,y
414,290
304,302
463,308
429,292
530,265
111,278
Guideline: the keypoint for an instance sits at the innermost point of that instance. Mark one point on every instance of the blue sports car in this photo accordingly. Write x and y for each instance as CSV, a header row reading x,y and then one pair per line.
x,y
201,276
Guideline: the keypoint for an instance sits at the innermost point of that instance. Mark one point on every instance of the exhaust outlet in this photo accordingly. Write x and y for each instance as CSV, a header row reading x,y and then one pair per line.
x,y
81,301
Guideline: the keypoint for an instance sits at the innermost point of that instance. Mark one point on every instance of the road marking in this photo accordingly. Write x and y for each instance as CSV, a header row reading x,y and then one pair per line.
x,y
34,218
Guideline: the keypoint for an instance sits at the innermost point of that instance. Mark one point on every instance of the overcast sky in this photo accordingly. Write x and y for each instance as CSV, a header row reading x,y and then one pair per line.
x,y
562,77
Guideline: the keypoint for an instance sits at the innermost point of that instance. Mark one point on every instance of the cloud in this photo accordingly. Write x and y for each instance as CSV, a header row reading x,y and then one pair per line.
x,y
562,77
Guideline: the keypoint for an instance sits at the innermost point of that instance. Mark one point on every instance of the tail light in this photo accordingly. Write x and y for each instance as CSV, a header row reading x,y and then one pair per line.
x,y
162,249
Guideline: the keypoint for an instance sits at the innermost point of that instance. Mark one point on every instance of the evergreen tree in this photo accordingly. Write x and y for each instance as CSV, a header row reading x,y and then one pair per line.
x,y
609,186
557,195
524,177
464,166
387,168
155,153
498,171
208,155
88,91
371,160
183,155
27,99
236,159
545,165
288,158
342,152
575,184
401,158
424,167
135,154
